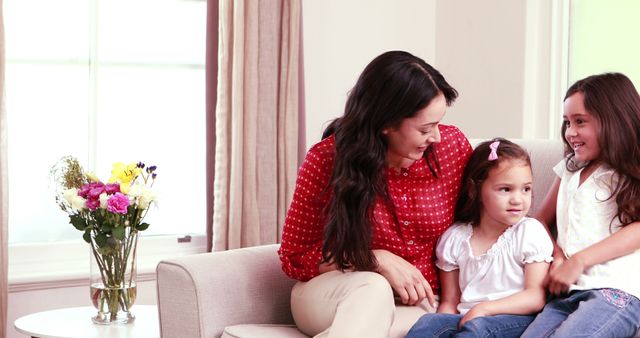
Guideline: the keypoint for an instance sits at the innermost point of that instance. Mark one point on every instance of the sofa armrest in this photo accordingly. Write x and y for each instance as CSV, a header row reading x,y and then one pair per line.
x,y
199,295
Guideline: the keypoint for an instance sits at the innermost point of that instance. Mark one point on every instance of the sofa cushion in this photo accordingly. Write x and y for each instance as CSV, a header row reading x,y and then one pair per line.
x,y
262,331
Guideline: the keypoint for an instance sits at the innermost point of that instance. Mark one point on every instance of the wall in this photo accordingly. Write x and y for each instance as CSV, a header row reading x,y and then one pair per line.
x,y
341,37
500,63
481,53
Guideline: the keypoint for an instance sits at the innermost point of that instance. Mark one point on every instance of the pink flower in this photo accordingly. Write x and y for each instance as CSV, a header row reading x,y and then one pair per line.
x,y
96,190
118,203
112,188
91,190
93,204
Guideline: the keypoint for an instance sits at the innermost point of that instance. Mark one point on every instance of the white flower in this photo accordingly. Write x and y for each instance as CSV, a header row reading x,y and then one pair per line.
x,y
136,190
143,195
146,198
69,193
103,200
77,202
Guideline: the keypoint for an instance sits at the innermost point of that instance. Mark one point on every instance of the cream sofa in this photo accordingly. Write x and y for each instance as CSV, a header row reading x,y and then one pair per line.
x,y
244,293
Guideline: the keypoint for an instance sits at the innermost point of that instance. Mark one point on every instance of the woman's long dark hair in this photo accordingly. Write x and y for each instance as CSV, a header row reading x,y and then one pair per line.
x,y
393,87
614,101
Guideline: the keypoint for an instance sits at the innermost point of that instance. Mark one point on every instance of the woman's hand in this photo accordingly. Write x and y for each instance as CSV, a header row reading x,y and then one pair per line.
x,y
405,279
564,273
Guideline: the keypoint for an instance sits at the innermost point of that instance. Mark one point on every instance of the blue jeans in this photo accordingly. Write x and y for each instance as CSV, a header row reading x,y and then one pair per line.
x,y
588,313
446,325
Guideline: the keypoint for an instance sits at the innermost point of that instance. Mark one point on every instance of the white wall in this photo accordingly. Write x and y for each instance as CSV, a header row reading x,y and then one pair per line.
x,y
495,52
342,37
480,51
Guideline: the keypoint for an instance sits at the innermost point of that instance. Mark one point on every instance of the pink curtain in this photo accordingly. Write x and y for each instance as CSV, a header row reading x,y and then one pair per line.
x,y
257,111
212,93
4,226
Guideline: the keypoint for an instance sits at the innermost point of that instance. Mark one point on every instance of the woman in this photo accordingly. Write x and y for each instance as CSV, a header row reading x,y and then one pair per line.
x,y
371,200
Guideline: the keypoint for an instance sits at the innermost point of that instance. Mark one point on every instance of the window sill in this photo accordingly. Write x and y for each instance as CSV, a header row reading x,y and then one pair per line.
x,y
38,266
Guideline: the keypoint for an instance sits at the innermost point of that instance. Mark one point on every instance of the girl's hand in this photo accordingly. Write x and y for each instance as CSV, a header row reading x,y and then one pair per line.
x,y
405,279
564,274
479,310
557,261
447,308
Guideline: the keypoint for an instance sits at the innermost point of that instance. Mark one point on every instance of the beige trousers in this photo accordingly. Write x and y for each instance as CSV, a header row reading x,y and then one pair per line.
x,y
352,305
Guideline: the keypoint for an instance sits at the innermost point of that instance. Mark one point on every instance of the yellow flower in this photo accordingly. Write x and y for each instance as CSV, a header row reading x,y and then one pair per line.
x,y
124,174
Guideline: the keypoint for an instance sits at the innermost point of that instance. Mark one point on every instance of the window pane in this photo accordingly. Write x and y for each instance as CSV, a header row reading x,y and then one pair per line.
x,y
47,119
45,29
140,99
601,38
146,115
166,31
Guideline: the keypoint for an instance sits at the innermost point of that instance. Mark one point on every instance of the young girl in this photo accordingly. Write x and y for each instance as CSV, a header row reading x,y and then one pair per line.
x,y
595,204
494,259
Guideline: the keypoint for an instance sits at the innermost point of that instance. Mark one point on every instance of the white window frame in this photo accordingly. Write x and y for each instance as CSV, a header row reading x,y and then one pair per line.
x,y
37,266
46,265
546,67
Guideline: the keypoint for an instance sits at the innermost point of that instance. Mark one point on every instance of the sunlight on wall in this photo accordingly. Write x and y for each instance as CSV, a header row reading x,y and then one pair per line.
x,y
603,38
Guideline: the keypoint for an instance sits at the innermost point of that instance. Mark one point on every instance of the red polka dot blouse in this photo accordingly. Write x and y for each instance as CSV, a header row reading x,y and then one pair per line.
x,y
422,209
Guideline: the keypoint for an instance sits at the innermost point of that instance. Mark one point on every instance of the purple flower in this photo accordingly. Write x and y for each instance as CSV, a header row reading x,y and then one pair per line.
x,y
112,188
118,203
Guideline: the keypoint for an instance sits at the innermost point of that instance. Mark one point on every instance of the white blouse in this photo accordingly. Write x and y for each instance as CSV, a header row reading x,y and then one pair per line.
x,y
585,215
499,272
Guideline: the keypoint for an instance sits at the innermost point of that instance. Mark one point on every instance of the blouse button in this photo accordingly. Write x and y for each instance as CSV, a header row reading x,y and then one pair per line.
x,y
406,222
405,174
410,242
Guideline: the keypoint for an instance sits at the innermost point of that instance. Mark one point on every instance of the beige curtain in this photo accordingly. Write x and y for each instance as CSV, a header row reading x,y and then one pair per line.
x,y
4,226
258,103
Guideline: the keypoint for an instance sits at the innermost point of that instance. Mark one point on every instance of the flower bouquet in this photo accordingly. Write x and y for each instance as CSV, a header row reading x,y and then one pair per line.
x,y
110,216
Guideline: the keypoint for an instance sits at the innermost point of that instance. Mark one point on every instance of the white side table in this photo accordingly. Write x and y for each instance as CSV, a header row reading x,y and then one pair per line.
x,y
76,322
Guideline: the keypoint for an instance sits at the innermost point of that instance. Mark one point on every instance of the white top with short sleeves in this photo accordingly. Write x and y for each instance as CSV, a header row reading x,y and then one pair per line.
x,y
499,272
585,215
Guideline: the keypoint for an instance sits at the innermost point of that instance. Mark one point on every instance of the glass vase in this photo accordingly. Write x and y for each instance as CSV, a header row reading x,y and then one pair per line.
x,y
113,287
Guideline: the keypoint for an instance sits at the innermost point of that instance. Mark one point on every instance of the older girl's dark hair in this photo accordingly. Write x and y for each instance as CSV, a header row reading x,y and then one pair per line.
x,y
614,101
469,205
393,87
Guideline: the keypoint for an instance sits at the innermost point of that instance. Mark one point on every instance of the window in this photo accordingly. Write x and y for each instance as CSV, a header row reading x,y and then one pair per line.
x,y
603,37
105,81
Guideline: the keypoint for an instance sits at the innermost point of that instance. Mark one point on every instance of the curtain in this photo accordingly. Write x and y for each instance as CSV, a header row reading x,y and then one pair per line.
x,y
211,66
4,226
256,118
